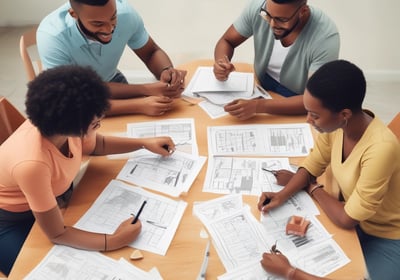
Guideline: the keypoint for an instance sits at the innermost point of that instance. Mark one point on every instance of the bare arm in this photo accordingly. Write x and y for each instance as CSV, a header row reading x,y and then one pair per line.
x,y
246,109
157,61
154,57
299,181
115,145
223,52
333,208
278,264
52,224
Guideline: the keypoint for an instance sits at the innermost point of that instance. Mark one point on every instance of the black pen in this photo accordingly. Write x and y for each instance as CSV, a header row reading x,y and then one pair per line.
x,y
266,201
166,147
269,170
138,214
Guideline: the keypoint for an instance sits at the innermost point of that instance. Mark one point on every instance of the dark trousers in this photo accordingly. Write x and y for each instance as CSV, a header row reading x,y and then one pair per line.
x,y
15,227
269,83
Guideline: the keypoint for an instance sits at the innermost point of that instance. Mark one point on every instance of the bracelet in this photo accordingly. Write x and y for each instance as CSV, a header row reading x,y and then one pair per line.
x,y
166,68
290,274
105,242
316,186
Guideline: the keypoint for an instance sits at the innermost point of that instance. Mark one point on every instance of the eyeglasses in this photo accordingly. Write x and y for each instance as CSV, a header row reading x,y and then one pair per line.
x,y
96,124
267,16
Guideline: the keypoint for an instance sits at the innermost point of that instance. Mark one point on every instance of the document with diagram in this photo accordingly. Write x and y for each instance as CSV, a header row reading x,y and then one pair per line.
x,y
160,217
249,176
171,175
182,132
260,139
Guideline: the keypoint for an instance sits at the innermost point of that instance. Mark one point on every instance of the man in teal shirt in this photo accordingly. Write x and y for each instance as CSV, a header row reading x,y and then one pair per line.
x,y
95,33
291,41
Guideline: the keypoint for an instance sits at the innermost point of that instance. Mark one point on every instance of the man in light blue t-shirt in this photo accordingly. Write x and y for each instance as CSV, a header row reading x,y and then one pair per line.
x,y
291,41
95,33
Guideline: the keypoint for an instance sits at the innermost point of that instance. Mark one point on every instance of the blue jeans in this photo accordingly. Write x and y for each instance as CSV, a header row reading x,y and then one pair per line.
x,y
269,83
382,256
119,78
15,227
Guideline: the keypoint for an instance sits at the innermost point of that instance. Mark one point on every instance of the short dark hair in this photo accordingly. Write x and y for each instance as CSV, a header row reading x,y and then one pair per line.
x,y
288,1
91,2
65,100
339,85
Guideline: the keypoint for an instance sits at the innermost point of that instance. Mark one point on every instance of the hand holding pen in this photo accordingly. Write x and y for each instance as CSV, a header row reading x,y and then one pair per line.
x,y
139,212
222,68
160,145
282,176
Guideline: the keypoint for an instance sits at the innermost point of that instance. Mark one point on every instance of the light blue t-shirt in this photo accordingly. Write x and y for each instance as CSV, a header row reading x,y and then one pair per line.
x,y
60,41
317,44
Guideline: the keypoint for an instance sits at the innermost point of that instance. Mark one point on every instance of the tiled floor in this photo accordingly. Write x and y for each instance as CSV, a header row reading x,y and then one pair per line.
x,y
382,97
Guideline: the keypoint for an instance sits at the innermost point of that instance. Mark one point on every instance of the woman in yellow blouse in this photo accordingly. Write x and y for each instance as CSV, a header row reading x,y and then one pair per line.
x,y
365,159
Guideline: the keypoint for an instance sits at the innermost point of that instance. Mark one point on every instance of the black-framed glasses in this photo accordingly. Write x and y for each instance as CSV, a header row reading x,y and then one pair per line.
x,y
267,16
97,123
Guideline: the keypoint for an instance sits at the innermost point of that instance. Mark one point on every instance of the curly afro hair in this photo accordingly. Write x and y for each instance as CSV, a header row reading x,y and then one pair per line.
x,y
65,100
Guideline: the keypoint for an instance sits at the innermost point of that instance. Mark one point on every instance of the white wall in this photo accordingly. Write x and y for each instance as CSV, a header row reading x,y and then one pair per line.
x,y
369,36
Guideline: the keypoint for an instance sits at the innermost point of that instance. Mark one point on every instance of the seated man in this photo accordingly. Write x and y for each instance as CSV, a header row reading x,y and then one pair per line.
x,y
291,41
95,33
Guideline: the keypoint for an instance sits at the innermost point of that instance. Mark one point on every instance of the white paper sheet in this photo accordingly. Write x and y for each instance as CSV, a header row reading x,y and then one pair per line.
x,y
160,216
182,132
171,175
204,80
242,175
237,236
68,263
260,139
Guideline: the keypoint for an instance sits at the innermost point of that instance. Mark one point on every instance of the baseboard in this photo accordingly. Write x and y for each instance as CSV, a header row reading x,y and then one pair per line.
x,y
382,75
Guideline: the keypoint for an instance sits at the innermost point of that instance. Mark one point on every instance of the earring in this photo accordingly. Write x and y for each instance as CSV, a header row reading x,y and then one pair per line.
x,y
345,121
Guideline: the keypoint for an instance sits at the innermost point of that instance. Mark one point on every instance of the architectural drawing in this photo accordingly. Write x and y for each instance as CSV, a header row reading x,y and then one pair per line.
x,y
182,132
242,175
160,216
261,140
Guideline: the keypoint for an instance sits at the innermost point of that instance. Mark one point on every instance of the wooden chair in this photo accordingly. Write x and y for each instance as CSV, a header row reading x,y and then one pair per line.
x,y
10,119
32,65
394,125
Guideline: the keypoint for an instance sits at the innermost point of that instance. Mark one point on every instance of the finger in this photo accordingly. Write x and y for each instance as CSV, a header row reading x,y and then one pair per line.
x,y
165,100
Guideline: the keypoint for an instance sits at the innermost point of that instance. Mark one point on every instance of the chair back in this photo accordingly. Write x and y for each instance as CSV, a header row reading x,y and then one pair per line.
x,y
10,119
32,63
394,125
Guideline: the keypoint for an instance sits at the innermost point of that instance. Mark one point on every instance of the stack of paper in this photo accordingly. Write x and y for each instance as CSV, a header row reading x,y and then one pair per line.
x,y
204,84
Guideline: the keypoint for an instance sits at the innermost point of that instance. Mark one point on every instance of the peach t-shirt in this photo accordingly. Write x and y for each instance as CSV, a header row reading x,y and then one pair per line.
x,y
33,171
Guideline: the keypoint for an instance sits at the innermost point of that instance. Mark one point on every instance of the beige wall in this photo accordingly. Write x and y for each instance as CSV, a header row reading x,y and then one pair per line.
x,y
368,28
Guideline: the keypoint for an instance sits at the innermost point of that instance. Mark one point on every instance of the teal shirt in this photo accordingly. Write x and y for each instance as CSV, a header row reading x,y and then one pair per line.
x,y
60,41
317,44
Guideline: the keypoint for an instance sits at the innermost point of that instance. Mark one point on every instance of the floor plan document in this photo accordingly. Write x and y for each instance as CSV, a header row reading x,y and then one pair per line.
x,y
242,175
68,263
260,139
171,175
182,132
160,216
